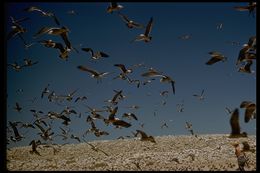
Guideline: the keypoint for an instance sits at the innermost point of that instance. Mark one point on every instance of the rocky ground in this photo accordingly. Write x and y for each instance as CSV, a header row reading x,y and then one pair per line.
x,y
176,153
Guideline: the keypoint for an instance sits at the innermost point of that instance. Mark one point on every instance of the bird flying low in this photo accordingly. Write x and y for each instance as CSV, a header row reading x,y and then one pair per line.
x,y
94,74
146,37
215,57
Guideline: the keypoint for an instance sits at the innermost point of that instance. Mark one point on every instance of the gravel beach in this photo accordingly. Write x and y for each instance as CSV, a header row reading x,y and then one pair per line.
x,y
169,153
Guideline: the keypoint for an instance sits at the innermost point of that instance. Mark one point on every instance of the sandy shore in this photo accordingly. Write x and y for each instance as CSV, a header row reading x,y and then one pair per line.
x,y
206,152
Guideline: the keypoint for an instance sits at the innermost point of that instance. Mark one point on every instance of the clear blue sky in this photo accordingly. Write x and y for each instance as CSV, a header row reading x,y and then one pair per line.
x,y
183,60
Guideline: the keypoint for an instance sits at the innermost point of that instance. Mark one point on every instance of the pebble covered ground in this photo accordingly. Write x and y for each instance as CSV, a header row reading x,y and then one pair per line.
x,y
170,153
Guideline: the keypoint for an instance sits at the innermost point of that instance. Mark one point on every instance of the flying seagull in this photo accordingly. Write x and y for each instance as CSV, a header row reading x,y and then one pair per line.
x,y
215,57
247,67
130,23
94,74
250,111
201,96
48,14
145,37
95,55
145,137
114,7
250,8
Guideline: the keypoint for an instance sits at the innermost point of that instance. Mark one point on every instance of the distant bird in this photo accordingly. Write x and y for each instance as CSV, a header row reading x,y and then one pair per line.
x,y
17,107
189,127
130,23
95,74
133,107
45,91
96,149
80,98
164,125
146,37
75,137
115,121
219,26
180,107
123,68
68,111
17,29
114,7
228,110
48,14
64,51
15,66
250,8
236,43
116,97
69,96
250,111
164,93
185,37
168,79
201,96
145,137
35,144
95,55
28,62
44,132
13,125
130,116
216,57
235,127
72,12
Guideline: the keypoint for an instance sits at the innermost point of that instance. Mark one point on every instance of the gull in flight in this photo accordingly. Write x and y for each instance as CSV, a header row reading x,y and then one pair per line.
x,y
216,57
145,37
94,74
114,7
250,111
130,23
95,55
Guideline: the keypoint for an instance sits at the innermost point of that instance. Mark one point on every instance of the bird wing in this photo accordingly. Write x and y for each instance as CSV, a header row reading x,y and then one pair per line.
x,y
55,19
173,87
88,70
213,60
87,50
151,74
121,123
241,8
234,122
148,27
124,17
103,54
143,134
121,66
43,30
244,104
134,116
64,36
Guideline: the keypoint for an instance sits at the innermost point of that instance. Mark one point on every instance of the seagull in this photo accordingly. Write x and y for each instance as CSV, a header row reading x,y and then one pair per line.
x,y
45,91
64,51
201,96
189,128
95,55
244,53
115,121
15,66
72,12
68,111
228,110
164,93
17,107
247,67
185,37
80,98
118,95
123,68
130,116
145,37
69,97
215,57
250,110
164,125
95,74
180,107
250,8
219,26
28,62
18,137
235,127
48,14
130,23
145,137
114,7
75,137
17,29
35,144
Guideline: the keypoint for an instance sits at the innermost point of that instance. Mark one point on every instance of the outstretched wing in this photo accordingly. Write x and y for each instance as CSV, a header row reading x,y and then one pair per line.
x,y
149,27
82,68
249,112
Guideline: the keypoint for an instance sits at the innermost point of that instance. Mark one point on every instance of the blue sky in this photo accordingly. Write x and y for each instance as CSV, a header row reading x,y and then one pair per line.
x,y
183,60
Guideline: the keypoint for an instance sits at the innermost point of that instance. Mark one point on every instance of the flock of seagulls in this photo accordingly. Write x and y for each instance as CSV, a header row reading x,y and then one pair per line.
x,y
109,115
